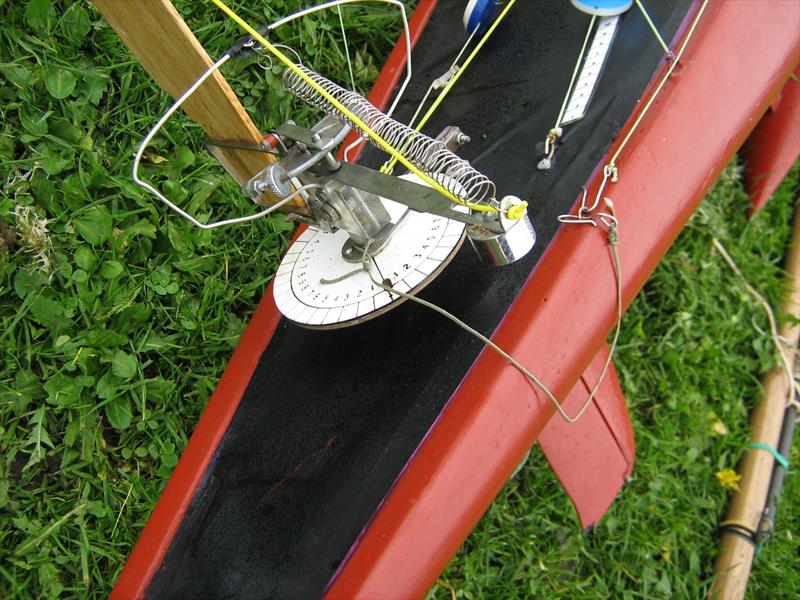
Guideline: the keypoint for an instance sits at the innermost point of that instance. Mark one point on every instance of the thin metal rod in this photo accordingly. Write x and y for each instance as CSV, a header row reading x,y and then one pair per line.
x,y
647,18
154,131
346,49
575,72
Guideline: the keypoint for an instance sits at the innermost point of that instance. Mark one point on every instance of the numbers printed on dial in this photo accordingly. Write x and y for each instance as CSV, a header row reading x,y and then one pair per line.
x,y
348,294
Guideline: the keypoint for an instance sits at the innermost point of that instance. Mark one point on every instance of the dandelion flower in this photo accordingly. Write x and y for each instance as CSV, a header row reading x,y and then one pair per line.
x,y
729,479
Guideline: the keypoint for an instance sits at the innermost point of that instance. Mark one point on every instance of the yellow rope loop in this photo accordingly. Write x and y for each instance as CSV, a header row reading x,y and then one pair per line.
x,y
517,211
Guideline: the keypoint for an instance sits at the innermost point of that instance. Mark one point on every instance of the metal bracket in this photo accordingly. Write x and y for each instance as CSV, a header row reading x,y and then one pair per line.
x,y
308,138
233,145
416,196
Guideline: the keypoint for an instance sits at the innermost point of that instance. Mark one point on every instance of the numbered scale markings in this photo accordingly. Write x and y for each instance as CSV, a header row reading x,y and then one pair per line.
x,y
592,67
420,247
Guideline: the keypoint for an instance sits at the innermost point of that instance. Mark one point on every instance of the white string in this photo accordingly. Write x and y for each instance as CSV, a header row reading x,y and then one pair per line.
x,y
654,29
773,325
612,244
406,34
346,49
154,131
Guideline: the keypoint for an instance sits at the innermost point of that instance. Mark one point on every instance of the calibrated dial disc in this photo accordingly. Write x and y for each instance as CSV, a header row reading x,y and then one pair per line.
x,y
419,248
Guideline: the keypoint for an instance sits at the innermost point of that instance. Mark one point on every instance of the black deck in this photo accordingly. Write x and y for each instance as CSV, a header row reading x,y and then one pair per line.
x,y
330,418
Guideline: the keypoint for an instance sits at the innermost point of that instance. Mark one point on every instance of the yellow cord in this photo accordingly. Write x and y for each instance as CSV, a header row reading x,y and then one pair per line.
x,y
455,78
341,108
738,523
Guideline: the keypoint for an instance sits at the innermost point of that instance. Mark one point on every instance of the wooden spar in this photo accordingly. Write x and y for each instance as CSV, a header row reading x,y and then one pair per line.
x,y
747,505
171,54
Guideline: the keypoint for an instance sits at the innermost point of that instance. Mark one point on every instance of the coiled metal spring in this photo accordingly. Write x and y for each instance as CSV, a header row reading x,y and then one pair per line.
x,y
431,156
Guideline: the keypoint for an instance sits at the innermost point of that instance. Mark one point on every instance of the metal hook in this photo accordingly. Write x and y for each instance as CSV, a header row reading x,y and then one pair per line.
x,y
262,55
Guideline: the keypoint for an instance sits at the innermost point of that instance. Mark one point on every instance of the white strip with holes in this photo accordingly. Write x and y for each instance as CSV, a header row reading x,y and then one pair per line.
x,y
592,67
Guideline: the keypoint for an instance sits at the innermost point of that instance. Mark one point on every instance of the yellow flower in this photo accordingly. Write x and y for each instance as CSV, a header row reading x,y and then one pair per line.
x,y
728,478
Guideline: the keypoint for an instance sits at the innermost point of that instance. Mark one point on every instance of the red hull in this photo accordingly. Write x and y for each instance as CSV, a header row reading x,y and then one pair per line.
x,y
774,144
559,321
557,324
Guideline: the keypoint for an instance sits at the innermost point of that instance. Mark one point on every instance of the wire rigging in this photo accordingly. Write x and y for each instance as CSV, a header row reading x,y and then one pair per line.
x,y
380,141
154,131
237,48
443,94
613,240
346,48
587,214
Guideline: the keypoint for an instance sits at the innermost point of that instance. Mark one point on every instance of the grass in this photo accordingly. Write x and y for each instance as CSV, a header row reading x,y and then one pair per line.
x,y
110,353
117,320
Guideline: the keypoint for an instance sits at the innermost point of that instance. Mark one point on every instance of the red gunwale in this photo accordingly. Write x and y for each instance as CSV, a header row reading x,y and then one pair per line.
x,y
559,321
157,535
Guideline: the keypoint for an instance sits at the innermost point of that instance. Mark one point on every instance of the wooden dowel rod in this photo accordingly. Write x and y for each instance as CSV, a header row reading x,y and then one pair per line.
x,y
736,555
171,54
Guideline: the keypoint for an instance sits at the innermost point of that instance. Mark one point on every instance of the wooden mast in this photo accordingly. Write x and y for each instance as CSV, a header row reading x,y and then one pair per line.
x,y
171,54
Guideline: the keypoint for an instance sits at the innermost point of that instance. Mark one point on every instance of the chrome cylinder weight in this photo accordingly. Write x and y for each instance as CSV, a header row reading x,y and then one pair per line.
x,y
499,249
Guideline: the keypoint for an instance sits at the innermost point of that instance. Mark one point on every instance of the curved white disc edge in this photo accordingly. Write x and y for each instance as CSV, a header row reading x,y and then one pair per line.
x,y
417,251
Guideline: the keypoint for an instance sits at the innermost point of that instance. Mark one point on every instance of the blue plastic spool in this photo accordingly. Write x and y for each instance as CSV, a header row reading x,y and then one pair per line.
x,y
479,15
603,8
